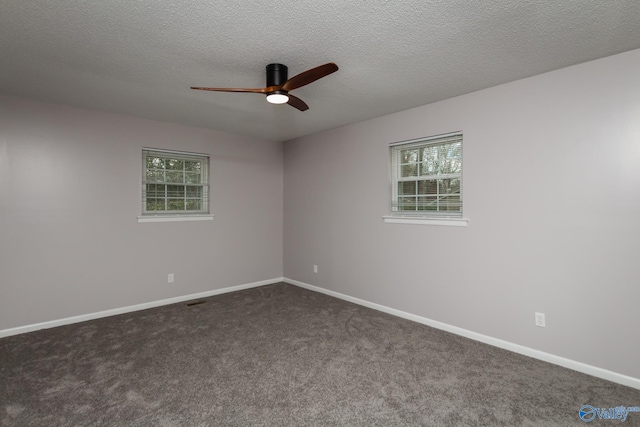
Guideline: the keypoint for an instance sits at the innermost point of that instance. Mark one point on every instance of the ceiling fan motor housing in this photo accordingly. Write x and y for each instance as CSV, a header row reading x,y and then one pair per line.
x,y
277,74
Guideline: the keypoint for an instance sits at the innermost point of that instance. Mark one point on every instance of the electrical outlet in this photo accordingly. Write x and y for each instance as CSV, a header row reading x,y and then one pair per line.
x,y
315,268
540,321
170,278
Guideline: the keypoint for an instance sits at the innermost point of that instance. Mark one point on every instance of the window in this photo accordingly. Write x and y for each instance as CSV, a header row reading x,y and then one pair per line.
x,y
174,183
426,177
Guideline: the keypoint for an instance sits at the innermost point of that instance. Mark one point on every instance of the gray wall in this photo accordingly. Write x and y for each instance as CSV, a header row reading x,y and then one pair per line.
x,y
69,197
552,191
551,188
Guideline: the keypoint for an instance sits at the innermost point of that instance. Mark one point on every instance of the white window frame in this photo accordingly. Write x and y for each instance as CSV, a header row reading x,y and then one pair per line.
x,y
417,215
167,214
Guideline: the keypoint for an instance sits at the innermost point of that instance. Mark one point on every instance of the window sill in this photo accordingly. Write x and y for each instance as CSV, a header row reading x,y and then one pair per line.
x,y
422,220
174,218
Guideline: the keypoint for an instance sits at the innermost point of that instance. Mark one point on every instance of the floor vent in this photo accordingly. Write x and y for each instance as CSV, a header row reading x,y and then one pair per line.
x,y
189,304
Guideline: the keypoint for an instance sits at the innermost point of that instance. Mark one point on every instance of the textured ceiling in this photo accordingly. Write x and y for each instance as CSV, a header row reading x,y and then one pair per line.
x,y
140,57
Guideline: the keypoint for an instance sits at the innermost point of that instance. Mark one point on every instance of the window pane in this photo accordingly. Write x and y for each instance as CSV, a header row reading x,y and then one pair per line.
x,y
407,203
449,156
175,205
428,187
429,168
175,176
175,191
192,178
427,203
150,190
429,154
192,166
155,190
450,203
155,204
450,186
446,203
194,204
409,156
451,166
174,164
193,191
155,175
410,169
429,161
406,187
408,159
155,163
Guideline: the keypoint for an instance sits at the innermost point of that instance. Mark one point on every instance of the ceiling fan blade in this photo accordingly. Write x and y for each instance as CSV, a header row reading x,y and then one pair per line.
x,y
298,103
309,76
231,89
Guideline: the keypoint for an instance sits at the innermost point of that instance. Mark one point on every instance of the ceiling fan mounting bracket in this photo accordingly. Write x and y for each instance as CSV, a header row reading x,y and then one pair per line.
x,y
277,74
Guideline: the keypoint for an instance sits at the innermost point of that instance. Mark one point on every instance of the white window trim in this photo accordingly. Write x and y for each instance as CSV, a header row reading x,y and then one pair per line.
x,y
422,220
175,218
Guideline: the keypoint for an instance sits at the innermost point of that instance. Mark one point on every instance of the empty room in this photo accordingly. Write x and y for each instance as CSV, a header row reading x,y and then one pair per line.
x,y
319,213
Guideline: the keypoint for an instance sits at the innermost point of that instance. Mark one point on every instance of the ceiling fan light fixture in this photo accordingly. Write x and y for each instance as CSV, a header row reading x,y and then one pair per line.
x,y
278,98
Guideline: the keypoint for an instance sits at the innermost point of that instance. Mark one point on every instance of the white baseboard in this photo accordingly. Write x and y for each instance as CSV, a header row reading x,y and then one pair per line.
x,y
516,348
130,308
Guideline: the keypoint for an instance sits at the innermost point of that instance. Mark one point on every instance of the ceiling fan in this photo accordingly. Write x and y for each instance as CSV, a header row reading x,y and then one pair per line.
x,y
278,86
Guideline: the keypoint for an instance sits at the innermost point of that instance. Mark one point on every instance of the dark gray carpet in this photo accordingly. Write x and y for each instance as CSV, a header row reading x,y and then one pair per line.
x,y
280,355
